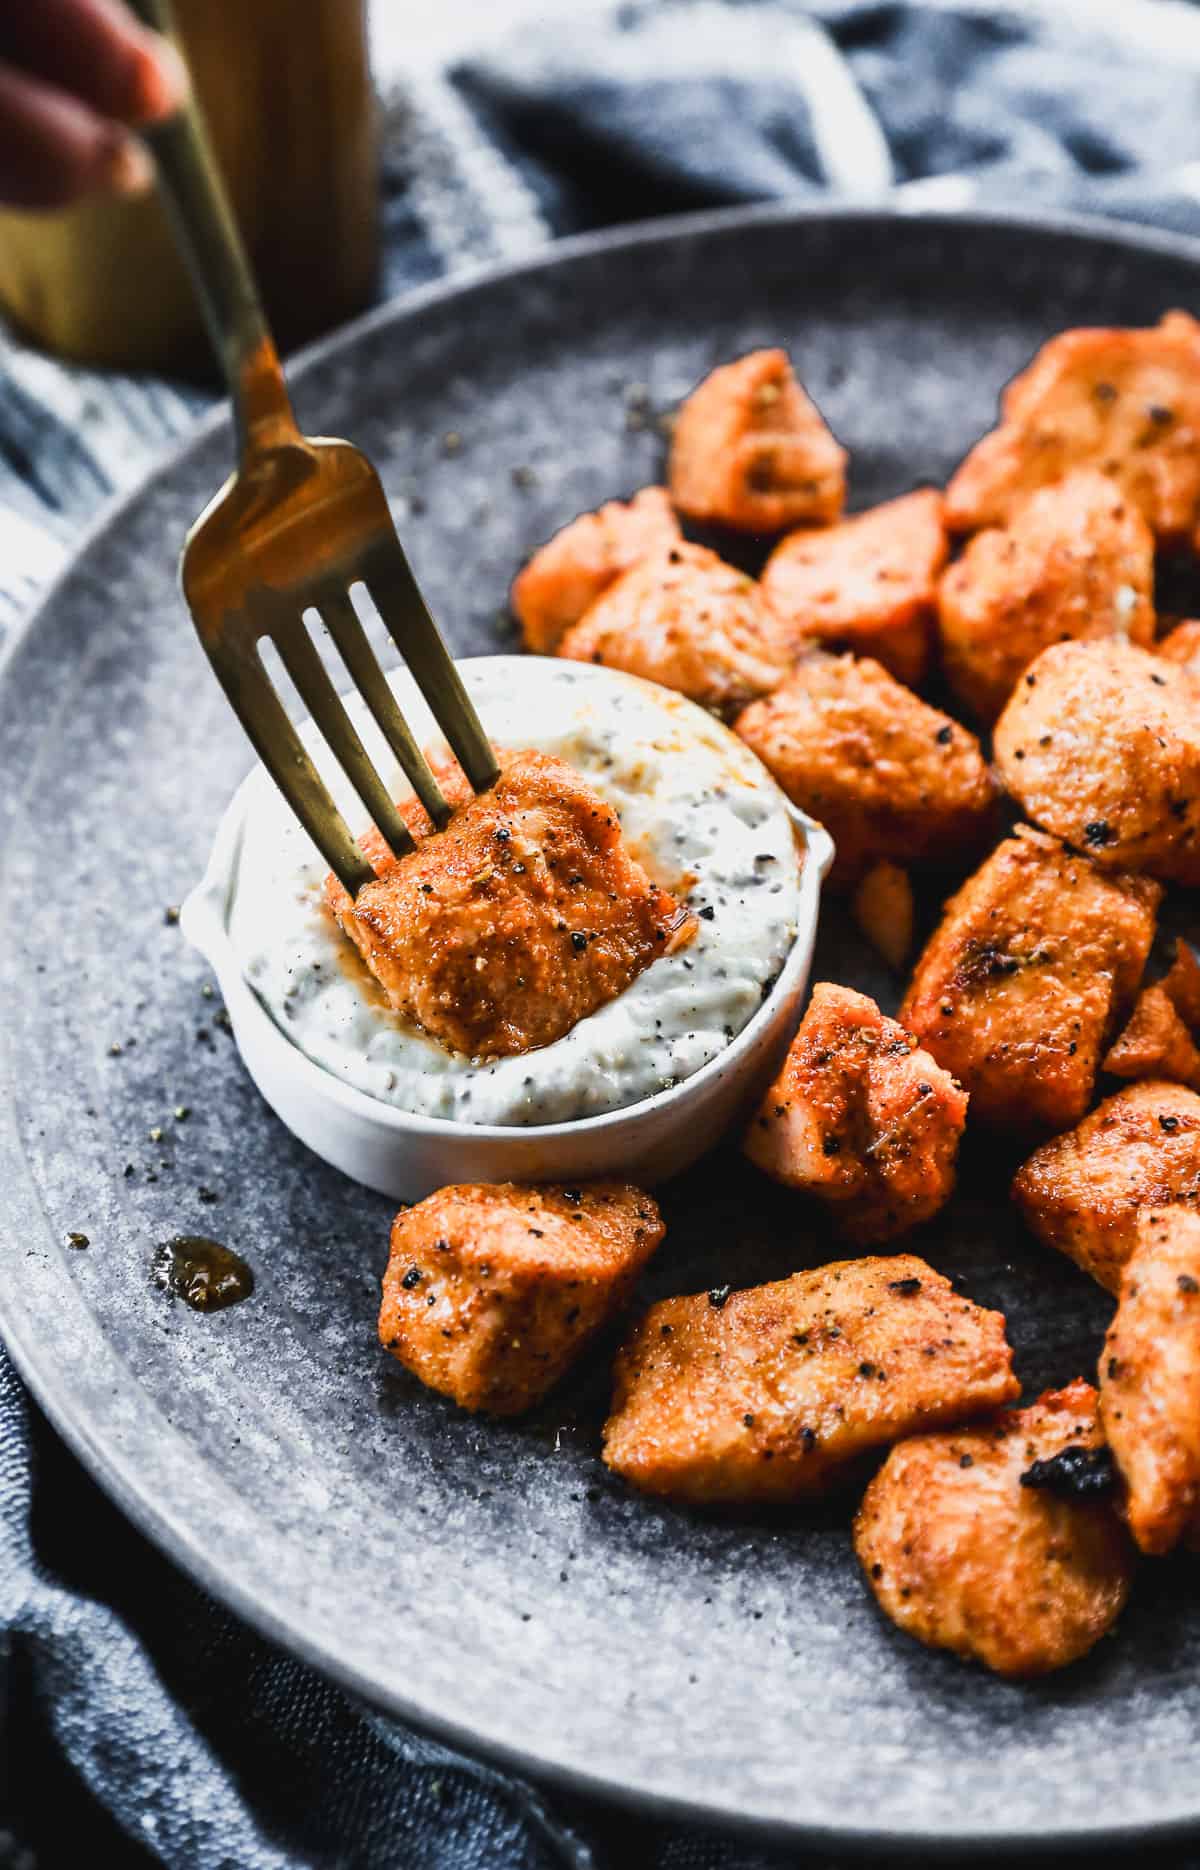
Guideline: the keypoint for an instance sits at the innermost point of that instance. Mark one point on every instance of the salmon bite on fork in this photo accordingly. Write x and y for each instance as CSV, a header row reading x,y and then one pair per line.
x,y
525,913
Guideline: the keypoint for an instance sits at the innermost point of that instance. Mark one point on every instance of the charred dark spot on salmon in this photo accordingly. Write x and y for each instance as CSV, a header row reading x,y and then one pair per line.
x,y
1074,1474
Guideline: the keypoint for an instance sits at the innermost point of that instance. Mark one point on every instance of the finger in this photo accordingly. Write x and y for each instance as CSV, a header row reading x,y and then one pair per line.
x,y
53,149
96,51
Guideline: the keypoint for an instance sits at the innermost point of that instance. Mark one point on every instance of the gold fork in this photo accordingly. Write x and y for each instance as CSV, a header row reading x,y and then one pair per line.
x,y
295,528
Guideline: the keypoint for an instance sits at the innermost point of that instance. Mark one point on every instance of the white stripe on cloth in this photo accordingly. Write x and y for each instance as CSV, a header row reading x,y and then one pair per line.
x,y
748,40
1185,180
30,557
473,204
1169,28
120,421
849,137
92,435
943,192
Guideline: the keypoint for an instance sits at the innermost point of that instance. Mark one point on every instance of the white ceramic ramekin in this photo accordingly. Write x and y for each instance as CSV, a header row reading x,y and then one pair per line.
x,y
407,1156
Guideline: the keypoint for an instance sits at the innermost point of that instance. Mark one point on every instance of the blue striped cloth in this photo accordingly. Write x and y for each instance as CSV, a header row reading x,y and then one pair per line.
x,y
136,1714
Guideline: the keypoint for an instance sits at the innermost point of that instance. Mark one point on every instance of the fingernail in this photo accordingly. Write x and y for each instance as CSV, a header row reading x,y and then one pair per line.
x,y
129,170
165,81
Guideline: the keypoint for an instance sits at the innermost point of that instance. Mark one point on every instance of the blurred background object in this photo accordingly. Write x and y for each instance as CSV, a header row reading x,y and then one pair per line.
x,y
287,92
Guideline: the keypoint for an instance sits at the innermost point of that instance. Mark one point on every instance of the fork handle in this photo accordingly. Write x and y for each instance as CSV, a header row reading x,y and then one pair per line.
x,y
207,235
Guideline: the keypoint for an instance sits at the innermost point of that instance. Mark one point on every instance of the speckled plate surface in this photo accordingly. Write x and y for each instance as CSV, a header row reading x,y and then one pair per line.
x,y
493,1581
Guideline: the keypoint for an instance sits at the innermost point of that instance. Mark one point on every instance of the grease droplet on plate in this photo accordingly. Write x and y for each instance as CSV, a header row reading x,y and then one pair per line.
x,y
203,1273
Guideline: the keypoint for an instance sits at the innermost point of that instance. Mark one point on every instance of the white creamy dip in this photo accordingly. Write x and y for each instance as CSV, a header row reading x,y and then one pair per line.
x,y
696,809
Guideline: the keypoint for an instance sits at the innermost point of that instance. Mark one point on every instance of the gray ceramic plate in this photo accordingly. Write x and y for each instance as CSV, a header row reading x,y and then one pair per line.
x,y
493,1581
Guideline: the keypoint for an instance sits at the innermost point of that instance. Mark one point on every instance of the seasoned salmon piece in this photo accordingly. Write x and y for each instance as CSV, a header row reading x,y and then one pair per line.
x,y
1001,1541
751,451
869,584
1019,990
886,774
570,572
1077,561
1181,984
1124,401
1101,745
1138,1152
772,1393
524,915
861,1118
1150,1379
1182,645
685,618
1155,1043
492,1290
884,908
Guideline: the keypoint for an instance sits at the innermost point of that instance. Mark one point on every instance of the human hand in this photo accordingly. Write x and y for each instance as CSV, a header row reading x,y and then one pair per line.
x,y
75,77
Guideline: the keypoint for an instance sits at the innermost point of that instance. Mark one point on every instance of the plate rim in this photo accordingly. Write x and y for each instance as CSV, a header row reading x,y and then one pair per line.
x,y
106,1460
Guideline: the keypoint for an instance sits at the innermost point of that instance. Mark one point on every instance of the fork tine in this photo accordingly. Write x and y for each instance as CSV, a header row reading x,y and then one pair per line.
x,y
282,752
320,697
388,577
344,627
